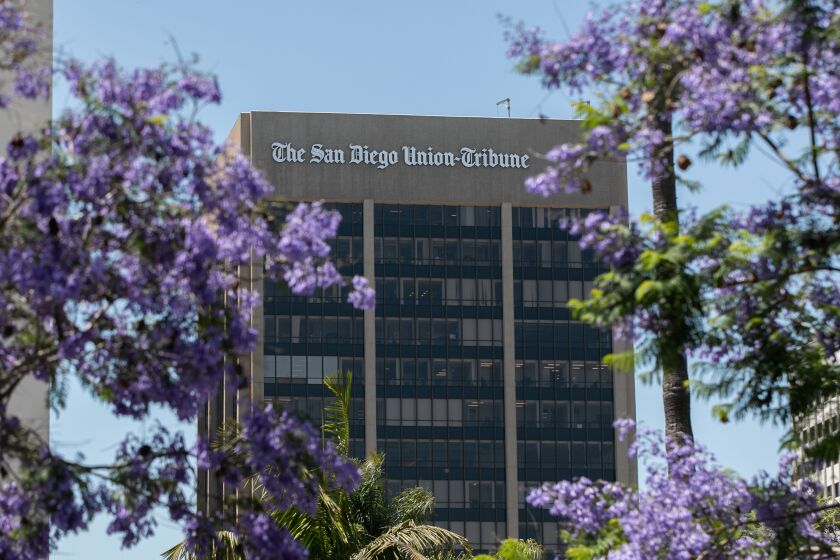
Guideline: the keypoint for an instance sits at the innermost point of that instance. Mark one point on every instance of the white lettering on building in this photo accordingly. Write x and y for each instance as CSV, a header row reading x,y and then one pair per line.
x,y
361,154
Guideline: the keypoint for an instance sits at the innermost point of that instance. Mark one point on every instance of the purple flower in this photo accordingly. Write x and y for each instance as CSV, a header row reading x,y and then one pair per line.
x,y
688,507
362,296
126,230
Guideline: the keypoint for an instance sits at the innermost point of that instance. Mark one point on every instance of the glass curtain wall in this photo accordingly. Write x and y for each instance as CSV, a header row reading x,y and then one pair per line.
x,y
564,392
439,361
307,338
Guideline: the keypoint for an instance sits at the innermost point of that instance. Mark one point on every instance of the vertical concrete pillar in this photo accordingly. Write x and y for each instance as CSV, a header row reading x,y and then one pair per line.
x,y
624,404
370,331
509,369
251,278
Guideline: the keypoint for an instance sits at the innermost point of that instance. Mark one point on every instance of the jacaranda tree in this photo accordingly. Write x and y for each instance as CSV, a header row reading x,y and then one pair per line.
x,y
123,227
751,295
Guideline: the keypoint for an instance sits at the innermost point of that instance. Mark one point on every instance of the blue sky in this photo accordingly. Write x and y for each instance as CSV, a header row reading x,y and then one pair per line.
x,y
432,57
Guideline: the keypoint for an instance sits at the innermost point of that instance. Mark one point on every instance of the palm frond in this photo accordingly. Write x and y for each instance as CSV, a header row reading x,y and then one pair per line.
x,y
409,540
412,504
227,547
337,413
178,552
524,549
367,501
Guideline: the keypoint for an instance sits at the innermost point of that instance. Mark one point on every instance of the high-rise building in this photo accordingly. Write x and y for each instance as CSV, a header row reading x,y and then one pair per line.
x,y
470,375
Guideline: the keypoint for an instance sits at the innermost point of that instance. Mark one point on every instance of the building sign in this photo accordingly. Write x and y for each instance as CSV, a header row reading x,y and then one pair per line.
x,y
355,154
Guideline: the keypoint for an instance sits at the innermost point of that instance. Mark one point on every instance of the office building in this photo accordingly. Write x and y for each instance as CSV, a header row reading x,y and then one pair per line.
x,y
470,375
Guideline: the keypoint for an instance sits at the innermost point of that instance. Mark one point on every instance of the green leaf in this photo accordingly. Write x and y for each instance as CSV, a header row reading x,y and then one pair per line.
x,y
721,411
645,288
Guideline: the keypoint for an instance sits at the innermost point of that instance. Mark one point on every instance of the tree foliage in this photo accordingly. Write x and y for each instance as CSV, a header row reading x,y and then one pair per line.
x,y
752,295
124,231
361,524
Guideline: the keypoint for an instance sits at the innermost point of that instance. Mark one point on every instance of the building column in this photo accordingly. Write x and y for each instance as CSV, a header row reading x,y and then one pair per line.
x,y
624,403
370,330
509,367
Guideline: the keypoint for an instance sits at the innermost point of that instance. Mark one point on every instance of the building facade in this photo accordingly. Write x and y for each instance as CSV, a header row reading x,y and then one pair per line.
x,y
470,375
30,399
812,429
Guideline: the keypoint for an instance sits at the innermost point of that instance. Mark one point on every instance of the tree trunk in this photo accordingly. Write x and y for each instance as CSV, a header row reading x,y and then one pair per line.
x,y
676,399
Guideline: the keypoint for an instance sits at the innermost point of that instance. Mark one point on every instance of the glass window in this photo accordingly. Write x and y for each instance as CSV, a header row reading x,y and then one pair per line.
x,y
269,366
424,412
574,254
468,251
421,250
452,252
392,412
529,293
469,332
438,251
409,411
529,253
439,417
406,253
391,291
284,366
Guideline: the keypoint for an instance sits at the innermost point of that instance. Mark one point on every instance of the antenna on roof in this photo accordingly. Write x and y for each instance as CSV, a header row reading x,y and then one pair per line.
x,y
506,103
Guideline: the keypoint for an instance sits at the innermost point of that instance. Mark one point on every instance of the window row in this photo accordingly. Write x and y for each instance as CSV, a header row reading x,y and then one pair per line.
x,y
484,536
440,291
543,217
279,291
309,369
439,412
469,332
468,493
300,328
546,293
421,251
437,215
442,453
553,373
346,250
548,254
456,493
312,408
423,371
575,414
558,333
564,454
817,431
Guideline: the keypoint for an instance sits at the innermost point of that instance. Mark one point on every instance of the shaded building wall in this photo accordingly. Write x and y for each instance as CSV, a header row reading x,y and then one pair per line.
x,y
470,375
30,400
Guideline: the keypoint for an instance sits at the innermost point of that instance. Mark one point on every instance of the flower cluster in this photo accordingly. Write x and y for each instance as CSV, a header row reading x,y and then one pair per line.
x,y
569,163
740,69
19,52
289,462
688,508
608,235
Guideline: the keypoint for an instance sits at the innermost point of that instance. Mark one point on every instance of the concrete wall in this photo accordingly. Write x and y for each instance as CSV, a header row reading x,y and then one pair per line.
x,y
30,400
418,184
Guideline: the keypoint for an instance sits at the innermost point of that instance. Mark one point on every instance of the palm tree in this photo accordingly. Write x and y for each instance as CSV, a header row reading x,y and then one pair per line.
x,y
358,525
515,549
